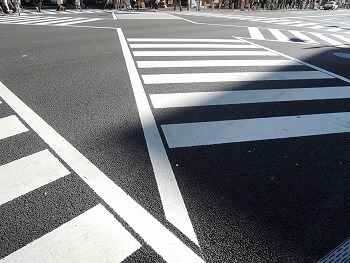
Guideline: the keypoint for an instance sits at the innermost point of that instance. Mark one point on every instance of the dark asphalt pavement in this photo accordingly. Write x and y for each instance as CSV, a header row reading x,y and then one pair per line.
x,y
281,200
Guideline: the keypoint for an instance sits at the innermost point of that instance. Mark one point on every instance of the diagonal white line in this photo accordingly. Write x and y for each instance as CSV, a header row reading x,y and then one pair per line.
x,y
173,204
328,40
279,35
77,22
165,243
346,39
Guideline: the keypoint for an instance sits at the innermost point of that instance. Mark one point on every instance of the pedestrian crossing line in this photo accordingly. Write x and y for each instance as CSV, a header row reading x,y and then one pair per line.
x,y
153,232
78,21
202,40
222,46
200,53
195,99
303,37
39,20
213,63
255,33
233,131
28,173
347,40
94,236
11,126
279,35
232,77
305,25
328,40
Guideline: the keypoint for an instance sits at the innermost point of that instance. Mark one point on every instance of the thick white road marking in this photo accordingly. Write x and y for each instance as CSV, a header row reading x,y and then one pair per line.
x,y
345,39
219,132
76,22
232,76
159,238
172,100
173,204
222,46
213,63
200,53
255,33
94,236
304,24
56,20
28,173
279,35
10,126
328,40
202,40
303,37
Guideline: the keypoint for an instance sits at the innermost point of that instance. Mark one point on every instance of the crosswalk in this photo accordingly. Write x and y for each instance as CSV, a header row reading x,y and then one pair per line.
x,y
222,69
293,36
92,236
45,20
331,28
47,168
68,11
129,15
182,74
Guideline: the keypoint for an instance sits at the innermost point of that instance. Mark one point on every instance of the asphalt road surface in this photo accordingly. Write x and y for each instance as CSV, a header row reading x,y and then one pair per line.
x,y
175,136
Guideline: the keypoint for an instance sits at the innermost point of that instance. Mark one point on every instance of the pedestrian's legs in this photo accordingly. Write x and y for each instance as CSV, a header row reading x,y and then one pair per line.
x,y
6,6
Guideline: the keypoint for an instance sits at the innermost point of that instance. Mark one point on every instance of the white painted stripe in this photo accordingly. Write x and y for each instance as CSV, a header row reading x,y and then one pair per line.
x,y
347,40
58,19
303,37
203,40
173,204
228,46
300,61
219,132
279,35
200,53
10,126
77,22
165,243
114,16
213,63
192,99
42,20
289,22
317,27
94,236
305,25
232,76
28,173
327,39
255,33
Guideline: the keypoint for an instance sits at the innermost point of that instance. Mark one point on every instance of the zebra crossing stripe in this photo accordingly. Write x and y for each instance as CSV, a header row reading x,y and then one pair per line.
x,y
57,20
328,40
193,99
303,37
28,173
223,46
78,21
159,238
279,35
42,20
213,63
94,236
305,25
255,33
232,131
232,76
202,40
347,40
200,53
10,126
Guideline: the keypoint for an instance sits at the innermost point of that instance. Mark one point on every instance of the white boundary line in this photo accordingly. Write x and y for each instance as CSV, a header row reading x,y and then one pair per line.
x,y
173,204
164,242
297,60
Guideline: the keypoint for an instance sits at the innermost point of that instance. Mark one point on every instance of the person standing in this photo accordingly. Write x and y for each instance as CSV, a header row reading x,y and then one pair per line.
x,y
5,7
177,2
60,6
37,4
